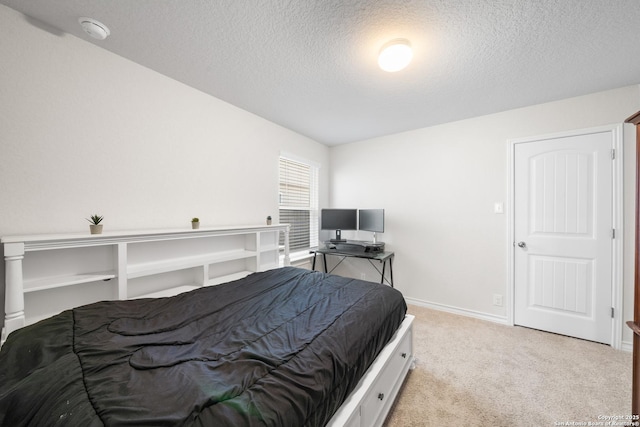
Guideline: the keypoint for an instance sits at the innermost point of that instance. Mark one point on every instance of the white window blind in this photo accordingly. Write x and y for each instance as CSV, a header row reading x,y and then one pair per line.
x,y
298,202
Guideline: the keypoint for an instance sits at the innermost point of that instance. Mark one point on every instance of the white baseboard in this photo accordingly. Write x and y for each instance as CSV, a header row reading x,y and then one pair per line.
x,y
625,345
461,311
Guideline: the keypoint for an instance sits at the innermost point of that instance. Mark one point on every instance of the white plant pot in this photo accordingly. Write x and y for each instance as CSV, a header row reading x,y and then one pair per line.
x,y
95,228
195,225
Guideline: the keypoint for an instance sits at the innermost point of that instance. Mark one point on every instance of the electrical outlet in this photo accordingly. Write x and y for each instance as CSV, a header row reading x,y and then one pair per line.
x,y
497,300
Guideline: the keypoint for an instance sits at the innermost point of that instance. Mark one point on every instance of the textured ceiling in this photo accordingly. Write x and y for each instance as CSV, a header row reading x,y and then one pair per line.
x,y
310,65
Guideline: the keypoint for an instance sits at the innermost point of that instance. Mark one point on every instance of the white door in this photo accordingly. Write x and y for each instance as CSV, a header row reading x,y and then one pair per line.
x,y
563,221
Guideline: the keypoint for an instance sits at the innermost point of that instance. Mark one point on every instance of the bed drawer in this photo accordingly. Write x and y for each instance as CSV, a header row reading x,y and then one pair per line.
x,y
385,387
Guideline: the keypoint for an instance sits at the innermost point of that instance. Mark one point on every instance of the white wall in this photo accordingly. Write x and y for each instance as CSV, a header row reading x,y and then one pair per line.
x,y
438,186
84,131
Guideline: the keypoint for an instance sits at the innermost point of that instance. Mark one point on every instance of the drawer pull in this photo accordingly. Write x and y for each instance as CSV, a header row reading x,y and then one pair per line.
x,y
380,396
404,355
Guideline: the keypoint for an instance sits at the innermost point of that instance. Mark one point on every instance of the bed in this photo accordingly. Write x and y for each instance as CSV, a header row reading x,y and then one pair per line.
x,y
283,347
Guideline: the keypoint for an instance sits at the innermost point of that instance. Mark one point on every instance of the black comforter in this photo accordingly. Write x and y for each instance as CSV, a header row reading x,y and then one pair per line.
x,y
278,348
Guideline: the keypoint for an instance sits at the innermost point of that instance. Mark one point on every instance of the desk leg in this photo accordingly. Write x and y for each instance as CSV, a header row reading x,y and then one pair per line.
x,y
384,264
324,260
391,270
313,263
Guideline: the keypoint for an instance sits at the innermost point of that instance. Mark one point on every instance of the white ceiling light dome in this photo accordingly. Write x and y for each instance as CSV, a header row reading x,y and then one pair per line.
x,y
95,29
395,55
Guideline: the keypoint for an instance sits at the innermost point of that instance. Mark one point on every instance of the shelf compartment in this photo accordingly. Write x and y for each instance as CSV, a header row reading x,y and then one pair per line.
x,y
35,285
51,301
227,278
168,292
187,288
156,267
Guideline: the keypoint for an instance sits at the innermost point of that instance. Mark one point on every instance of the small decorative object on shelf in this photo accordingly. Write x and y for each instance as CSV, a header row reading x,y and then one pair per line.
x,y
95,227
269,220
195,223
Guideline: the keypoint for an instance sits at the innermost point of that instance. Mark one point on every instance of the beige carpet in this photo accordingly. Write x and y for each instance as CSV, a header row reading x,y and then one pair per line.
x,y
476,373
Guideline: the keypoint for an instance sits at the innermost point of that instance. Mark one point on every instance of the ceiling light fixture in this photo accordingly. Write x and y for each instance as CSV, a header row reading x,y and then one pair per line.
x,y
395,55
95,29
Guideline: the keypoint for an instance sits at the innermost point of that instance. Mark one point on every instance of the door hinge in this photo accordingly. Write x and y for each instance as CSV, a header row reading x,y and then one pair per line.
x,y
613,233
612,313
613,154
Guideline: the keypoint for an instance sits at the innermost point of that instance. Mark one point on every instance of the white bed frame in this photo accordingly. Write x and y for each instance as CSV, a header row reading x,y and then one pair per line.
x,y
46,274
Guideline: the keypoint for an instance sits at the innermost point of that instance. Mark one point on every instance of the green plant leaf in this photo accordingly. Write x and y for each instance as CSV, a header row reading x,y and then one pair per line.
x,y
95,219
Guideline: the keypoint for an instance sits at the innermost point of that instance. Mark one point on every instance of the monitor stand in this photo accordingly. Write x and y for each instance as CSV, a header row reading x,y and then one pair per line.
x,y
338,238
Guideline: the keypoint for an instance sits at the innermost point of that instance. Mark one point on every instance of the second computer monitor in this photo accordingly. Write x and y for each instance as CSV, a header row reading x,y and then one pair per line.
x,y
371,220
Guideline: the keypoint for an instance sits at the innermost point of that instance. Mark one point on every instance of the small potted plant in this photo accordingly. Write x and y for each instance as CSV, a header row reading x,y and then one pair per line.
x,y
95,227
195,223
269,220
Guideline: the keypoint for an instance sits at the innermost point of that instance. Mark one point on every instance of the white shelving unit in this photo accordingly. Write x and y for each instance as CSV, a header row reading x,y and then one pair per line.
x,y
46,274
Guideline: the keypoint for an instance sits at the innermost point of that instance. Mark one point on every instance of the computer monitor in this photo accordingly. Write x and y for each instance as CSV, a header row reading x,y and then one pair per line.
x,y
338,220
371,220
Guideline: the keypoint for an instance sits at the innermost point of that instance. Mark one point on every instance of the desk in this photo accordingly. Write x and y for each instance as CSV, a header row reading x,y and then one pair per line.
x,y
382,257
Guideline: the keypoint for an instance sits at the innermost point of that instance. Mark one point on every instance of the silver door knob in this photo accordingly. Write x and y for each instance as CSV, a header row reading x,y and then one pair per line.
x,y
522,244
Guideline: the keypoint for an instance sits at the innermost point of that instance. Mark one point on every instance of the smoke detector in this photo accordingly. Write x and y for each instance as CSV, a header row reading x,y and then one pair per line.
x,y
95,29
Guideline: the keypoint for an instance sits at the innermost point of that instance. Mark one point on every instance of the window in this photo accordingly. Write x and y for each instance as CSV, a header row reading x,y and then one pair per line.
x,y
298,202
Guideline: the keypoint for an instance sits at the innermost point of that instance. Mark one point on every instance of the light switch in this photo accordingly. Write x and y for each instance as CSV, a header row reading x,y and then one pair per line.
x,y
498,207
